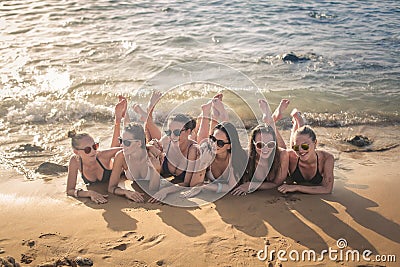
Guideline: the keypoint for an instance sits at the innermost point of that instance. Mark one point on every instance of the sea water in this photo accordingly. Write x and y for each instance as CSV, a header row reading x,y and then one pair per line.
x,y
63,63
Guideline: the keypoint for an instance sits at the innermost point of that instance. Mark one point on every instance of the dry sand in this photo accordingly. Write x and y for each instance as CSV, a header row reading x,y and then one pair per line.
x,y
41,223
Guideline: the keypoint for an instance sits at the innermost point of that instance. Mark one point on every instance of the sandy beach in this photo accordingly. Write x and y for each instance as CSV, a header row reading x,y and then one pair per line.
x,y
41,226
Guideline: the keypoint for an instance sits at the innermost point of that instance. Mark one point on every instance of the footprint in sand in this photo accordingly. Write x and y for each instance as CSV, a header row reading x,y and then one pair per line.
x,y
50,235
121,247
154,240
135,235
125,241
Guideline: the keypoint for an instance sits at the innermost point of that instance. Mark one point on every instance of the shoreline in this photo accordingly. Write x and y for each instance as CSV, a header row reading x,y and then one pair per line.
x,y
228,232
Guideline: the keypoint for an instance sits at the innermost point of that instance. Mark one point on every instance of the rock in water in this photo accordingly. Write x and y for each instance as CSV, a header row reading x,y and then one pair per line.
x,y
28,148
359,140
49,168
292,57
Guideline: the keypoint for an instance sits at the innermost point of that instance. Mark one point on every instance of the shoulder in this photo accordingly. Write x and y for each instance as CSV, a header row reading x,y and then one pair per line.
x,y
292,154
74,161
283,152
324,155
326,160
119,155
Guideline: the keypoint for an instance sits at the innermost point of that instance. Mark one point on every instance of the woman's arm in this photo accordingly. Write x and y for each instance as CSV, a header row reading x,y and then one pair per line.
x,y
154,168
73,168
164,192
193,155
115,178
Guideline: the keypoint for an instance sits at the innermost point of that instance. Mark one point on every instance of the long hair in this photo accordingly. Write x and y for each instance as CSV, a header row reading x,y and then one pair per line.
x,y
275,160
238,155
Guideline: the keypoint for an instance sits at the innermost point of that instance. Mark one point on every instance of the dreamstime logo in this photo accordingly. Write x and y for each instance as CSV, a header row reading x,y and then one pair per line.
x,y
347,255
341,243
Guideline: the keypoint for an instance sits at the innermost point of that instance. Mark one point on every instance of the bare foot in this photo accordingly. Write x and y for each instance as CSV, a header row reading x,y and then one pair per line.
x,y
278,113
266,113
138,109
120,108
216,112
206,109
298,120
219,96
219,110
155,97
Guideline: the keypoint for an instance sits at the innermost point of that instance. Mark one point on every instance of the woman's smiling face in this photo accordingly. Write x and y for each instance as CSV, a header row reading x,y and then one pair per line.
x,y
300,143
265,140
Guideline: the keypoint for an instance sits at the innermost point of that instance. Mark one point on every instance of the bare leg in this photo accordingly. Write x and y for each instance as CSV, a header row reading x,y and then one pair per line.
x,y
143,114
155,97
268,119
266,113
152,131
204,121
120,110
298,121
219,110
278,113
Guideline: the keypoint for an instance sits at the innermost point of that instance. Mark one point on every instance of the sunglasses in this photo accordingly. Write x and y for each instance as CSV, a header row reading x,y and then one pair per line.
x,y
220,143
126,142
261,145
303,146
88,149
176,132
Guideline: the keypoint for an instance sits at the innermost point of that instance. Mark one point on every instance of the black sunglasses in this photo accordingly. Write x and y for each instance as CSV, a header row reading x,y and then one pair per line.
x,y
126,142
261,145
88,149
220,143
303,146
176,132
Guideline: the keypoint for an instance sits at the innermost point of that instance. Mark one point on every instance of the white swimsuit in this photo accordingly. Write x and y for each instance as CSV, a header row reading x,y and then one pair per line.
x,y
220,179
129,175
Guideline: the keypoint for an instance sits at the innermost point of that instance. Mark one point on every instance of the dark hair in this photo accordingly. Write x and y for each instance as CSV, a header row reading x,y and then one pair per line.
x,y
137,131
239,156
251,166
189,122
76,137
308,131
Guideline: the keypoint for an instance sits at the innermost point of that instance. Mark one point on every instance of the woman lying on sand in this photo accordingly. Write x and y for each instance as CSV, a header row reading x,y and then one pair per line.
x,y
178,153
309,168
135,162
268,163
172,154
94,165
229,162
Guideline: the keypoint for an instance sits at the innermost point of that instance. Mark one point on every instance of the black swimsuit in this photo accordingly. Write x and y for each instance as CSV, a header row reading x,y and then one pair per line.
x,y
298,177
104,179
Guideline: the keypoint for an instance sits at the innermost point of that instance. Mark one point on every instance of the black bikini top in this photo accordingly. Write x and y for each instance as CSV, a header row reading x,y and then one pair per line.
x,y
298,177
